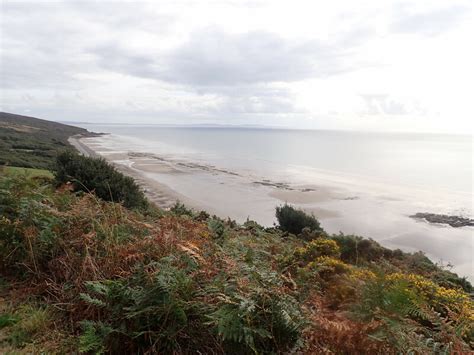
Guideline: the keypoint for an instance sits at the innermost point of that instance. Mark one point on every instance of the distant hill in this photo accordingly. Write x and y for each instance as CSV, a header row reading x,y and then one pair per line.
x,y
32,142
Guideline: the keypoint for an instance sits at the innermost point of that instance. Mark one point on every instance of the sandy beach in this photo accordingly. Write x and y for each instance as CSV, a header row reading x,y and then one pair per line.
x,y
158,193
151,172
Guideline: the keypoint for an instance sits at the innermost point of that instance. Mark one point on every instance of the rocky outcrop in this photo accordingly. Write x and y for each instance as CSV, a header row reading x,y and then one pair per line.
x,y
453,221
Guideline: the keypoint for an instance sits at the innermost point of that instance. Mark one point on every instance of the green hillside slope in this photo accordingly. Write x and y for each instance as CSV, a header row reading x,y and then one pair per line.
x,y
32,142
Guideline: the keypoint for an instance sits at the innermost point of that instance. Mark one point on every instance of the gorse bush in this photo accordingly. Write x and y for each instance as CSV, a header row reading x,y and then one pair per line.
x,y
95,174
316,248
409,307
294,221
361,251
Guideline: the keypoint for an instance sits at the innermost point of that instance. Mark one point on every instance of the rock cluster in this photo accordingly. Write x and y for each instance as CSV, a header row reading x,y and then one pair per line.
x,y
453,221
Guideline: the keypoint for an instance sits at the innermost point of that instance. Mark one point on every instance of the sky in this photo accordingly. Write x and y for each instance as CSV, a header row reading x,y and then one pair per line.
x,y
353,65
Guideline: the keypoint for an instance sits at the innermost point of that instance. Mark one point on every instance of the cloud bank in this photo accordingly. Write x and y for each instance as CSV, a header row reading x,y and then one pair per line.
x,y
301,65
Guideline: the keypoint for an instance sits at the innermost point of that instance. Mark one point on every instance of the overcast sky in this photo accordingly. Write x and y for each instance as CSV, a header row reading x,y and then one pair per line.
x,y
365,65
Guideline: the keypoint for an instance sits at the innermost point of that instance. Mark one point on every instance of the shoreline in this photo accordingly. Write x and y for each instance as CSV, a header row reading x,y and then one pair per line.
x,y
139,164
151,171
158,193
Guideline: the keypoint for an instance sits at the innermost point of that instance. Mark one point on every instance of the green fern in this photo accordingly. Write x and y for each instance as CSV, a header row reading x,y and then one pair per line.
x,y
91,300
93,337
261,320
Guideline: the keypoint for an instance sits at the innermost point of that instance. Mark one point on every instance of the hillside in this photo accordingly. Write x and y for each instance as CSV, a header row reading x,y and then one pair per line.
x,y
32,142
81,274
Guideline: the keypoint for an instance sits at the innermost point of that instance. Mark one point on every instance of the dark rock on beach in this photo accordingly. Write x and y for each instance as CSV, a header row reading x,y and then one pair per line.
x,y
453,221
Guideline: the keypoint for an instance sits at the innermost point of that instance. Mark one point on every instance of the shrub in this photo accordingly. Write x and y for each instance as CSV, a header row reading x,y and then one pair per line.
x,y
356,249
294,221
316,248
180,209
403,303
441,298
217,229
95,174
328,266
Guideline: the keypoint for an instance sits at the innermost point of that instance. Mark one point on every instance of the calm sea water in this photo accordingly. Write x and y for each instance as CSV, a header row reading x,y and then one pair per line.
x,y
439,164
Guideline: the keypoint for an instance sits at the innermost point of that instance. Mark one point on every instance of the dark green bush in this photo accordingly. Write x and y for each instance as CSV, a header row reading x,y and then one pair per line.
x,y
355,249
294,221
179,209
95,174
217,228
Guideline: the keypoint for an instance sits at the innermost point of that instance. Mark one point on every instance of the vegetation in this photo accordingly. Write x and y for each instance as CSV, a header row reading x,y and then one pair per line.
x,y
28,172
82,274
33,143
95,174
294,221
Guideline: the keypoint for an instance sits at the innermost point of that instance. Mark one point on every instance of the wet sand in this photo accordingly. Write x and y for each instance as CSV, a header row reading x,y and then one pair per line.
x,y
156,192
203,187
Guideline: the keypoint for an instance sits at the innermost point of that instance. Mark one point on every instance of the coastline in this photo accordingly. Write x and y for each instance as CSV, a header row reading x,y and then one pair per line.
x,y
339,207
153,174
159,194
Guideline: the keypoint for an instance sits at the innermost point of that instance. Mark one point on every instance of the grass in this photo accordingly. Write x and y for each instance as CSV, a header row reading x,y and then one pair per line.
x,y
28,172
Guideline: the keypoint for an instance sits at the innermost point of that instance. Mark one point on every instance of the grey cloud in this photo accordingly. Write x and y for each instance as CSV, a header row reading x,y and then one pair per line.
x,y
430,23
217,58
45,44
40,49
213,58
114,58
240,69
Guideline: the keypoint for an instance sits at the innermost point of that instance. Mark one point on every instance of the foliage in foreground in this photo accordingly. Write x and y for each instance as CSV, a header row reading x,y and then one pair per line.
x,y
84,275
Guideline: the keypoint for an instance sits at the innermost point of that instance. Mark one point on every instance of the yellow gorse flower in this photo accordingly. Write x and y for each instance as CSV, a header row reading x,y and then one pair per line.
x,y
453,299
361,274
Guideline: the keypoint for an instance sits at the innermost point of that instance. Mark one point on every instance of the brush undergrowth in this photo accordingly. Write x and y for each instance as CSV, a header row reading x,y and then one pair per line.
x,y
86,275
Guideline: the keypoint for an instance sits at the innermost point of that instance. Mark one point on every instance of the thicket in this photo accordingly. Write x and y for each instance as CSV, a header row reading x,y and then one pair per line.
x,y
79,274
293,220
96,175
